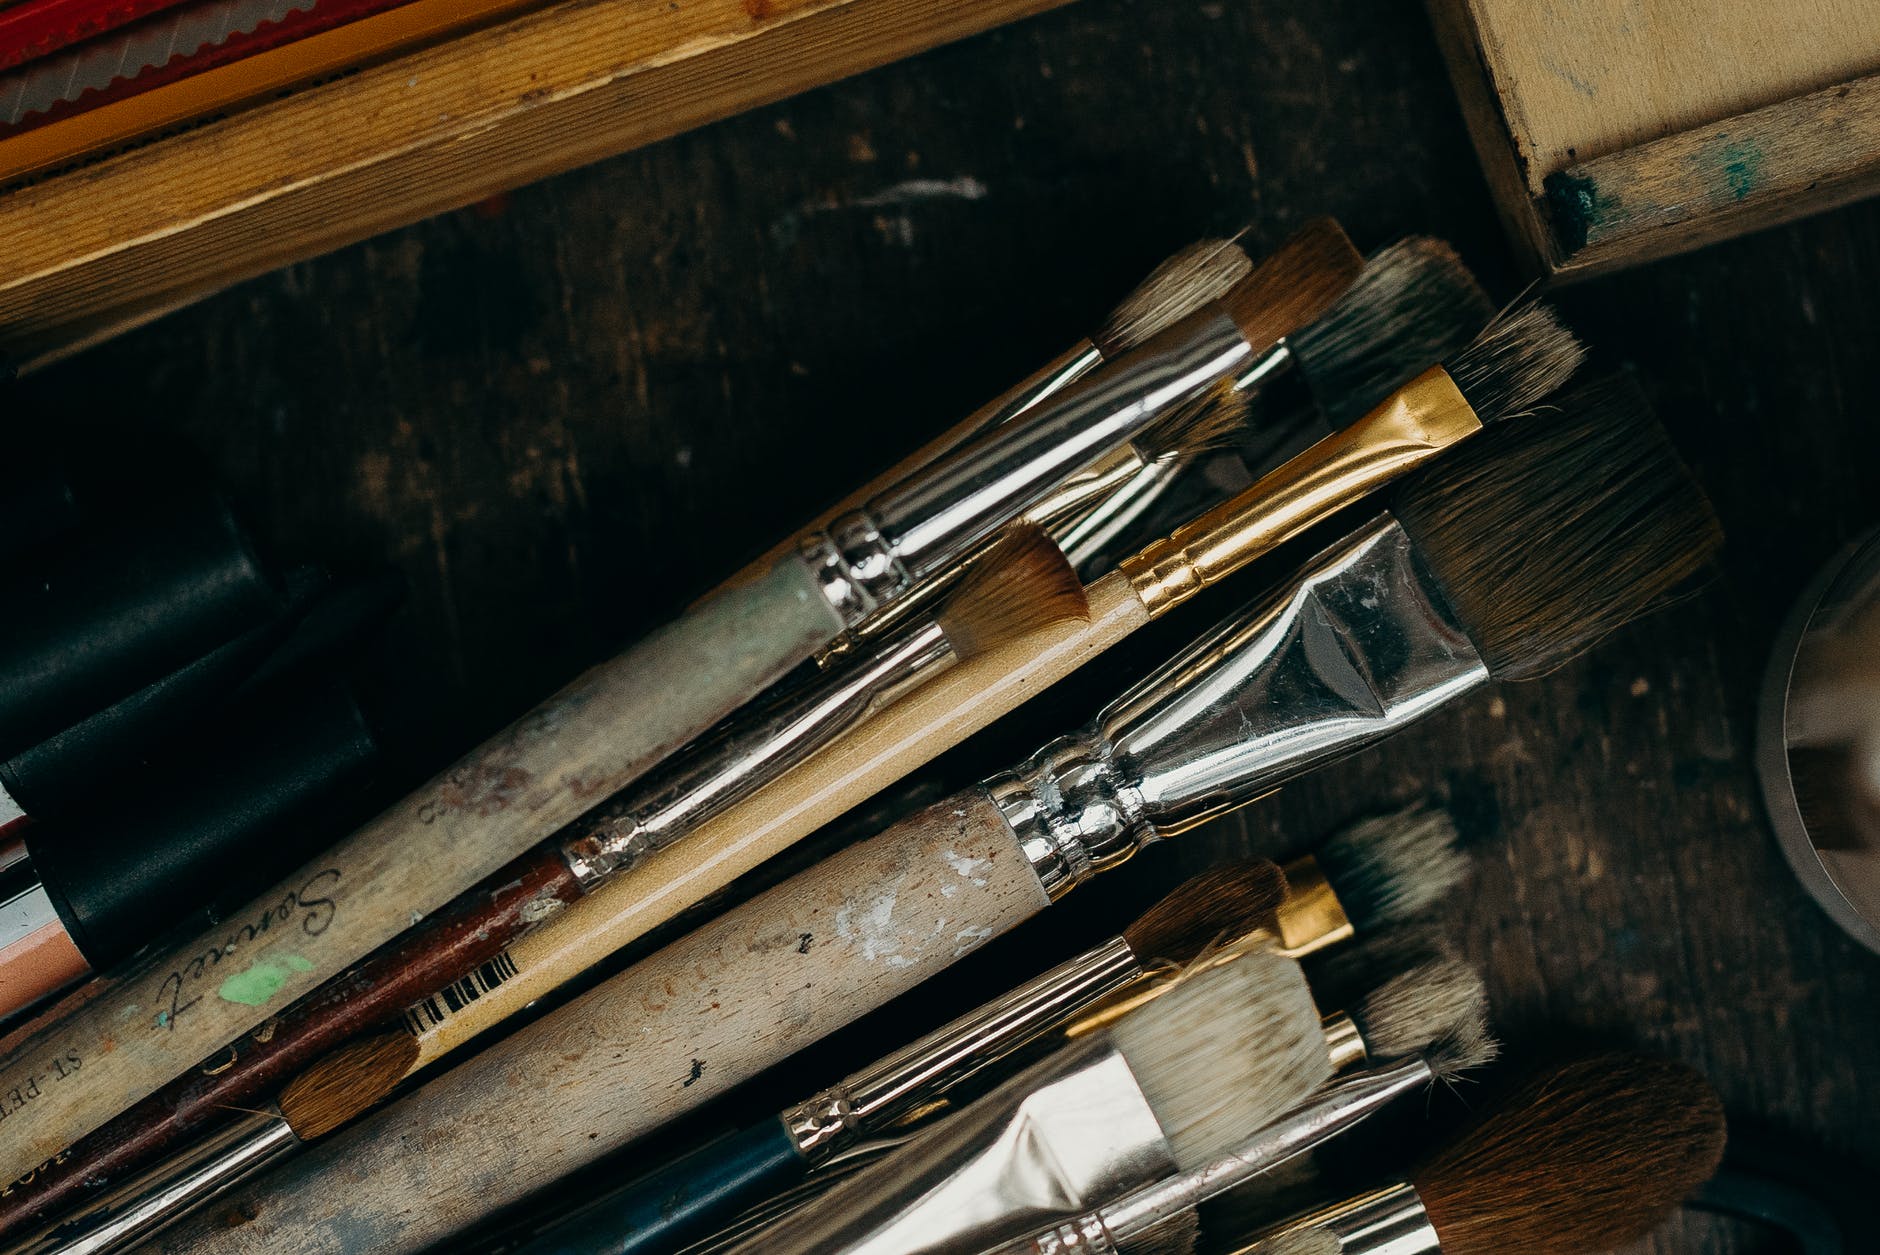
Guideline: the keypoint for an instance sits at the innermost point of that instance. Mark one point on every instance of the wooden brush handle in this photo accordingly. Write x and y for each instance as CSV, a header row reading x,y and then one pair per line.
x,y
841,776
716,1007
587,742
471,930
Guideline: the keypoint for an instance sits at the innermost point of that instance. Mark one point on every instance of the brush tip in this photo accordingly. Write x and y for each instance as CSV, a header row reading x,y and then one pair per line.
x,y
1521,358
1301,1242
1547,536
347,1082
1218,906
1414,305
1224,1052
1021,584
1387,868
1180,1234
1439,1006
1212,420
1198,274
1296,284
1586,1157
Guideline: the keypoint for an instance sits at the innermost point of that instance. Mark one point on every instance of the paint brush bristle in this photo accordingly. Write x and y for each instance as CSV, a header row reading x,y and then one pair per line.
x,y
1296,284
1225,1052
1518,361
1387,868
1440,1007
1547,536
347,1082
1180,1234
1213,420
1019,585
1222,904
1414,305
1588,1157
1202,272
1304,1242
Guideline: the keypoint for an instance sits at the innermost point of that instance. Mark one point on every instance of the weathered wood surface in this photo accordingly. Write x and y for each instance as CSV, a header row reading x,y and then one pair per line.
x,y
566,413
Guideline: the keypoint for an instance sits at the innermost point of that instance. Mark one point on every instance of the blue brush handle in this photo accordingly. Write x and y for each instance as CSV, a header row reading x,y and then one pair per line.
x,y
687,1199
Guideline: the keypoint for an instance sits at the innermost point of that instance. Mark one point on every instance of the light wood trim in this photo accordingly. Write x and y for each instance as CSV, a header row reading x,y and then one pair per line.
x,y
425,133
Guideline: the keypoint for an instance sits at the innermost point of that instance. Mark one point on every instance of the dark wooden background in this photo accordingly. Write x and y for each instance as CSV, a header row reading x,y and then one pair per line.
x,y
565,412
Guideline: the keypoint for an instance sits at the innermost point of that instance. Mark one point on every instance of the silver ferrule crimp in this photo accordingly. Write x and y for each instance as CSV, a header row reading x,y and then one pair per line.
x,y
1362,643
1389,1221
855,566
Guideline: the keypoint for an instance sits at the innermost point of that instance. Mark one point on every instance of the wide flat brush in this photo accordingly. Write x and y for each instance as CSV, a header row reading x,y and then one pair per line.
x,y
1165,1089
1507,369
1190,741
1590,1156
610,725
1020,585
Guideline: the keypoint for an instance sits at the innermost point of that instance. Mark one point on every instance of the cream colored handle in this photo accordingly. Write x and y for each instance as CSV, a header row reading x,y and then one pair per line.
x,y
928,721
586,742
711,1010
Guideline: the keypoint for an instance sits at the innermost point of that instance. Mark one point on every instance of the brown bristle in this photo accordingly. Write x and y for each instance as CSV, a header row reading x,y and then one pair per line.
x,y
1588,1157
1222,904
346,1082
1296,284
1519,360
1021,584
1546,536
1200,273
1212,420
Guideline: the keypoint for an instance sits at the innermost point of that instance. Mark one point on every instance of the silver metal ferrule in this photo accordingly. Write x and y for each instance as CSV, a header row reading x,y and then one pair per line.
x,y
929,520
751,750
1389,1221
1360,645
855,566
871,1100
1058,1137
148,1204
1263,367
1085,536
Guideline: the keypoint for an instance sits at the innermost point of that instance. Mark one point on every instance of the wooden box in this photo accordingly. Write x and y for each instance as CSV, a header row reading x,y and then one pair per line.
x,y
88,252
1616,131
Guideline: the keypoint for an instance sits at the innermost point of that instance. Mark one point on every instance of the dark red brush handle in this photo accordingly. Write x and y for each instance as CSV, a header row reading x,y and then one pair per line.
x,y
474,928
38,27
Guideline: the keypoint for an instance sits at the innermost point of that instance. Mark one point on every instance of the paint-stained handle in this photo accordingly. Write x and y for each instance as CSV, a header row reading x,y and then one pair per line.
x,y
586,742
711,1010
692,1196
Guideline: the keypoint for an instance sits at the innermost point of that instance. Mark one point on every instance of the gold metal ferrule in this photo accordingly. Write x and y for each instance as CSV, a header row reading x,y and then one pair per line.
x,y
1311,918
1344,1044
1417,422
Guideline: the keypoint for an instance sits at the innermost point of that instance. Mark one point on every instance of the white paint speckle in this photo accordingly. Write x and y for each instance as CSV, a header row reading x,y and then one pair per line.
x,y
967,867
872,927
912,191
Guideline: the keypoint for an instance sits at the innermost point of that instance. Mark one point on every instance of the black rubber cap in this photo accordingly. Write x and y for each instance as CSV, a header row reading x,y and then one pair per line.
x,y
177,848
121,608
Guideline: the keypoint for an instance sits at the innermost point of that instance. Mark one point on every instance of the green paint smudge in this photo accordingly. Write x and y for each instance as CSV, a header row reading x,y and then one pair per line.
x,y
262,980
1741,166
1578,208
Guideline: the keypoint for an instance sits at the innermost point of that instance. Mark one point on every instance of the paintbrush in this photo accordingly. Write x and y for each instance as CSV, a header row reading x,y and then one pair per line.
x,y
1590,1156
1019,585
607,727
1510,367
1412,304
1165,1089
1431,1018
1492,563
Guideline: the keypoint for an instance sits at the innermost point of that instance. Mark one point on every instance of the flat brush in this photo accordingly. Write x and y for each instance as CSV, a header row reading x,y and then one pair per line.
x,y
1590,1156
622,717
1507,369
700,1191
1021,584
1165,1089
1425,603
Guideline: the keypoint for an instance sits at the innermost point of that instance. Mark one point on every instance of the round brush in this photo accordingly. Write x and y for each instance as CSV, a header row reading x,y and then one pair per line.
x,y
1377,872
1589,1156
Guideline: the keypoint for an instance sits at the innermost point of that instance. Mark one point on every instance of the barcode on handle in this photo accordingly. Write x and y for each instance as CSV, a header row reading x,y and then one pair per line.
x,y
422,1017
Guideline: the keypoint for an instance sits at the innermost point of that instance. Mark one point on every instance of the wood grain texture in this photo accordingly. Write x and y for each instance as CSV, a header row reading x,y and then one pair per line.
x,y
713,1009
431,131
580,746
566,413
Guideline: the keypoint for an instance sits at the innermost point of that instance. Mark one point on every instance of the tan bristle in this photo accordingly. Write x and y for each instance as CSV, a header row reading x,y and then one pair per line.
x,y
345,1083
1518,361
1220,905
1224,1052
1200,273
1213,420
1303,1242
1180,1234
1588,1157
1296,284
1021,584
1438,1003
1547,535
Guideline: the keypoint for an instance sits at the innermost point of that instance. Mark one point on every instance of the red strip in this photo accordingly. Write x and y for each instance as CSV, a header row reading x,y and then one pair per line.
x,y
38,27
323,15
